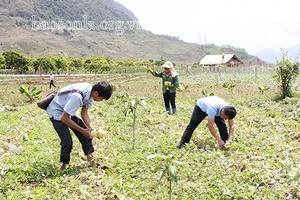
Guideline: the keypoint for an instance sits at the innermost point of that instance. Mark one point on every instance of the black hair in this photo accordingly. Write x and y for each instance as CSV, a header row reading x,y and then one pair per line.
x,y
229,111
104,89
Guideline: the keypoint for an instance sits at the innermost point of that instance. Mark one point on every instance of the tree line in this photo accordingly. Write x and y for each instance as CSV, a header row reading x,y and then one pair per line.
x,y
13,61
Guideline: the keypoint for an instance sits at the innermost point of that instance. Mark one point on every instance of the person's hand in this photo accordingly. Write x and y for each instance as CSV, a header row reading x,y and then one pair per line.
x,y
170,85
228,142
150,70
167,83
221,143
87,133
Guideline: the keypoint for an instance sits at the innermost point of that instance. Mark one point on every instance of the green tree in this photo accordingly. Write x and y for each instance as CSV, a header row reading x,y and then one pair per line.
x,y
15,60
2,62
160,62
286,73
103,64
59,63
99,64
36,63
76,64
46,64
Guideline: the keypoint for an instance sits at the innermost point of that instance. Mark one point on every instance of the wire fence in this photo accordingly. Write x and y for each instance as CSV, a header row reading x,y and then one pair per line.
x,y
250,76
247,75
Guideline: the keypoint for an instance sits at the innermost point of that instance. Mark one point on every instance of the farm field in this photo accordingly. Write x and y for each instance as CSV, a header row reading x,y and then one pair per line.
x,y
262,162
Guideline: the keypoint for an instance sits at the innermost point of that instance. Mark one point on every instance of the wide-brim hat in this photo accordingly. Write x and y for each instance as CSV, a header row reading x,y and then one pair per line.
x,y
168,64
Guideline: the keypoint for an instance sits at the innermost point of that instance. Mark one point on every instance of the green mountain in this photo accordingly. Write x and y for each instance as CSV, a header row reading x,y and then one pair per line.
x,y
92,28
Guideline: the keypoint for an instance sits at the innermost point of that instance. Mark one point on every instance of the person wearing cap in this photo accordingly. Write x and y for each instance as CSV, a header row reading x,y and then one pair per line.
x,y
62,112
169,85
217,111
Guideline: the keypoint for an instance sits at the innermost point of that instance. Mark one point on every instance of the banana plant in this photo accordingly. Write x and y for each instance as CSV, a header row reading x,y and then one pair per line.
x,y
205,93
262,88
30,92
229,85
182,87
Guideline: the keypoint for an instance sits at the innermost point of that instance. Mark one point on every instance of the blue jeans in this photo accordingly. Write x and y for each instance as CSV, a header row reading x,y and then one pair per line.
x,y
66,142
197,116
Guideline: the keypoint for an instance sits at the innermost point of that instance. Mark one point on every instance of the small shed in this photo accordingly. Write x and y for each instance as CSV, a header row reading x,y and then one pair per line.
x,y
229,60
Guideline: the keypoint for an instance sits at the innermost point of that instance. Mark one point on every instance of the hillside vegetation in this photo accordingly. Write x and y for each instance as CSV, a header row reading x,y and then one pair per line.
x,y
107,29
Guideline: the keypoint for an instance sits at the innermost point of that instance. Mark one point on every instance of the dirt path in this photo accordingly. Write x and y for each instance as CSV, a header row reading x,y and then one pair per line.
x,y
36,80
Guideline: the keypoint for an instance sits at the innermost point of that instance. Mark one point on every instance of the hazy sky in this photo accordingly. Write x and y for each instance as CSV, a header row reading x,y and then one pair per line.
x,y
252,25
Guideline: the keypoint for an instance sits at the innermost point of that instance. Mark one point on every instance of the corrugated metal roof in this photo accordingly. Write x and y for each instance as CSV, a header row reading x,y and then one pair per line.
x,y
216,59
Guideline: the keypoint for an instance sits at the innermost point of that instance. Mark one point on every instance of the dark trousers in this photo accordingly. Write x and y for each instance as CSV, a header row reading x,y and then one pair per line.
x,y
197,116
66,142
51,83
169,98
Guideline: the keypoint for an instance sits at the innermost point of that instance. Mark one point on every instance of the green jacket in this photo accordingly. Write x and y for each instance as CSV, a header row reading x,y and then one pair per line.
x,y
173,80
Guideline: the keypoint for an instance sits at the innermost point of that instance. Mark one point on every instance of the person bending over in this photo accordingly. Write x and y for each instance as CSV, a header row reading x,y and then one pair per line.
x,y
217,111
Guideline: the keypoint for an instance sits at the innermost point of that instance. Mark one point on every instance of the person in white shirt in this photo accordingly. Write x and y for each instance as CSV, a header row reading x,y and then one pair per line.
x,y
52,80
217,111
62,113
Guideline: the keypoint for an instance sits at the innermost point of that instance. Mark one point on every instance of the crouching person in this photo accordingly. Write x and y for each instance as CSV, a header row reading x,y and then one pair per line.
x,y
62,113
217,111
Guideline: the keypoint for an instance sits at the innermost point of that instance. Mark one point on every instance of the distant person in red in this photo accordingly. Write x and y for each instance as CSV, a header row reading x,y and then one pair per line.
x,y
52,80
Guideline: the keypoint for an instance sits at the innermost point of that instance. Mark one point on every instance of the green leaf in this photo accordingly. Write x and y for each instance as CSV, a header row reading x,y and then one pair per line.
x,y
172,170
153,156
157,168
161,175
132,103
174,178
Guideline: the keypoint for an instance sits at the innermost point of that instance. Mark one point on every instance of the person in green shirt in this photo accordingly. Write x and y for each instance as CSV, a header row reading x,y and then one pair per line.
x,y
170,83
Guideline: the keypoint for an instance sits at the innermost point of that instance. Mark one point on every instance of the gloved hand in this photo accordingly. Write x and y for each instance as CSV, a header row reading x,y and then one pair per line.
x,y
150,70
167,83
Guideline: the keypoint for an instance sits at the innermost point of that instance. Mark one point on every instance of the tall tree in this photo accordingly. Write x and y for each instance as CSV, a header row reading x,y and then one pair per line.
x,y
59,62
286,73
46,64
15,60
2,62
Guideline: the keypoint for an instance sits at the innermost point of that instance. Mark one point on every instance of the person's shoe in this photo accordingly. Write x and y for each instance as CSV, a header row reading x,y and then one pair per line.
x,y
90,159
92,163
63,166
181,145
168,111
174,111
101,166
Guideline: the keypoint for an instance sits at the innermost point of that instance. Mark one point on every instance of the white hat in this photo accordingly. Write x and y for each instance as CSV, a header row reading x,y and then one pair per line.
x,y
168,64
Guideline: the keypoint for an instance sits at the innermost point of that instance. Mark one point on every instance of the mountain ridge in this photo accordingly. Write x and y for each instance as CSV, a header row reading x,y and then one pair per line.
x,y
271,56
134,43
